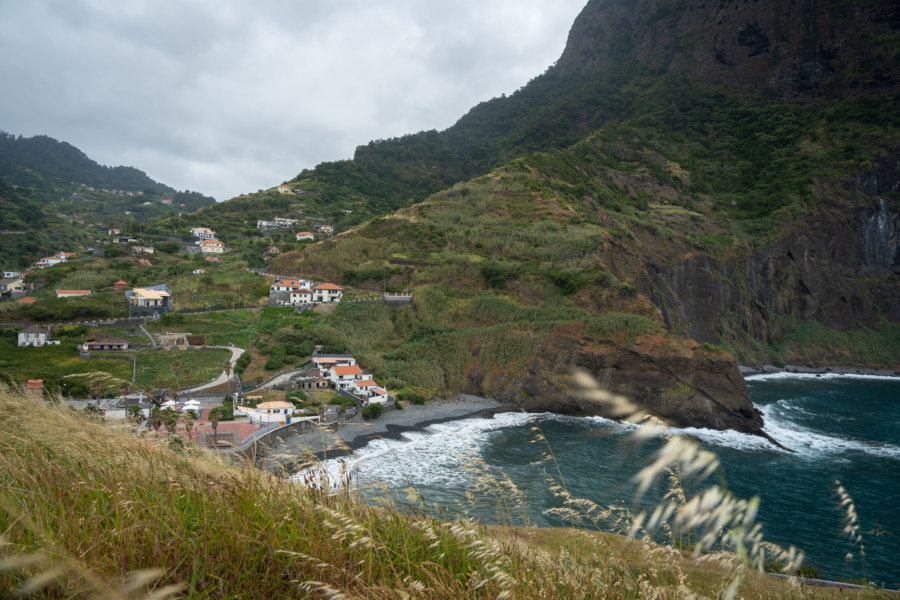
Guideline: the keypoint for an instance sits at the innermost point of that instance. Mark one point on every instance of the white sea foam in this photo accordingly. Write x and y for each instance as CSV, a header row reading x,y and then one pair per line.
x,y
727,438
807,442
825,376
435,455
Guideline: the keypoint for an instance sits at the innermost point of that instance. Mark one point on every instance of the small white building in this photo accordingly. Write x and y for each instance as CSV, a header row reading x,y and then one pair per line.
x,y
305,235
203,233
301,296
276,411
327,293
72,293
377,394
33,336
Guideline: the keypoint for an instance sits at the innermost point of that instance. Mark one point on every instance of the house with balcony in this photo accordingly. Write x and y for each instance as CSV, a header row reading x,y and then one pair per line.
x,y
203,233
344,377
212,247
327,293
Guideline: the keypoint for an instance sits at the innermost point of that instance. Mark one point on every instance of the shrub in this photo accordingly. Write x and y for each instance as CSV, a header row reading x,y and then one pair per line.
x,y
372,411
242,363
410,396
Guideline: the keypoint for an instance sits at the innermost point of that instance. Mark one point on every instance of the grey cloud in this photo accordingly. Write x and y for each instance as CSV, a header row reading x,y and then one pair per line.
x,y
229,96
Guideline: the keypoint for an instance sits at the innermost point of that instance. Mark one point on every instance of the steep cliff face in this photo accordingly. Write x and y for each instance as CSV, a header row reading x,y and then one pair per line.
x,y
773,48
837,265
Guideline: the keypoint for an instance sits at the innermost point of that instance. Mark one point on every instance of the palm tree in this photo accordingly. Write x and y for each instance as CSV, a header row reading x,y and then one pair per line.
x,y
188,417
155,420
135,414
215,415
169,419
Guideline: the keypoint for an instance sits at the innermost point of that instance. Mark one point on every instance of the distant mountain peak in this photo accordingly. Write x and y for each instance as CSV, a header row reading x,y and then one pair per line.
x,y
775,48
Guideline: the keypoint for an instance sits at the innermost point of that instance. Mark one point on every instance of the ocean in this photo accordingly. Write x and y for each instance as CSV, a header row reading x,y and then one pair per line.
x,y
841,429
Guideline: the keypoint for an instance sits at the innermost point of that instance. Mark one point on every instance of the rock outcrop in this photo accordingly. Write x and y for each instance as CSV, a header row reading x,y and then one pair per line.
x,y
677,380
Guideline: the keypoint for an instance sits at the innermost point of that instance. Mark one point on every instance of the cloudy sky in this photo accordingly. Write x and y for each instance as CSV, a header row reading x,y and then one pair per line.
x,y
230,96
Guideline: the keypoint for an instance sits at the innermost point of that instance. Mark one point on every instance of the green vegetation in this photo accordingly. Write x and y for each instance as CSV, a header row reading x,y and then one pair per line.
x,y
372,411
154,368
104,374
163,522
61,197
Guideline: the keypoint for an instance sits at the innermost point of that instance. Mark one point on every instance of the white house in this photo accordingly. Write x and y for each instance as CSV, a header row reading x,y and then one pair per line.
x,y
106,343
284,189
344,377
11,274
212,247
305,235
327,292
49,261
284,284
272,412
203,233
199,271
377,394
33,336
302,296
326,229
363,386
324,363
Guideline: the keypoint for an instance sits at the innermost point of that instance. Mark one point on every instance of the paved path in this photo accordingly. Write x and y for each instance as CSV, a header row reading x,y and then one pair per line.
x,y
280,378
222,378
147,333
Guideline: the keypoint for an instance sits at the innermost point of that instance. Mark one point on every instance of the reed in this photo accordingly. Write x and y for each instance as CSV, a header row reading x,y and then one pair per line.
x,y
90,509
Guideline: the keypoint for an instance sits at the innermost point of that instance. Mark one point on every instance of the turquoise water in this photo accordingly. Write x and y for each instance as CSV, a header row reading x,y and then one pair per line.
x,y
840,428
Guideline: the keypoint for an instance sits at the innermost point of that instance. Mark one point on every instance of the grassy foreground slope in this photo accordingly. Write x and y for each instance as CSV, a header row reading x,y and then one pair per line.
x,y
91,510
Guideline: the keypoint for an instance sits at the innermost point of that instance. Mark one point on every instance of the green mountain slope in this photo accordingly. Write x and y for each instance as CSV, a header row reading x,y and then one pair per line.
x,y
634,211
54,195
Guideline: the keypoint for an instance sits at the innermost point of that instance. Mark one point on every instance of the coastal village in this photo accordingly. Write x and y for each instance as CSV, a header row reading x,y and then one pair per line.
x,y
224,412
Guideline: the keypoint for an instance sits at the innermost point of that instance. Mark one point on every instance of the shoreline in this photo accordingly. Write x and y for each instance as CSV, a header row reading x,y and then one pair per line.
x,y
346,438
394,424
834,371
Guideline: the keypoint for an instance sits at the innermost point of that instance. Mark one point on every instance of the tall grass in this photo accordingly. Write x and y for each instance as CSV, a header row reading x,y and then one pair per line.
x,y
89,509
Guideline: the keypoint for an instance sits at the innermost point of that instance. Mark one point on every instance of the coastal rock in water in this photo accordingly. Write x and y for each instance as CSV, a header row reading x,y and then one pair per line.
x,y
677,380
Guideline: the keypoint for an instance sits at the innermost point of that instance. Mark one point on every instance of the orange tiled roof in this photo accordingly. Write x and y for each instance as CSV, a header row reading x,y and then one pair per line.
x,y
354,370
328,286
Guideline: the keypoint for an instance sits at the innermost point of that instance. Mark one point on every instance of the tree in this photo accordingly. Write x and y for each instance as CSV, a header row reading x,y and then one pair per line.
x,y
215,415
135,414
155,421
188,417
176,370
169,419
